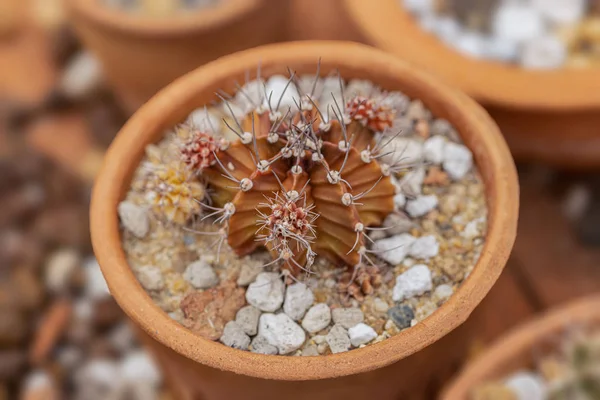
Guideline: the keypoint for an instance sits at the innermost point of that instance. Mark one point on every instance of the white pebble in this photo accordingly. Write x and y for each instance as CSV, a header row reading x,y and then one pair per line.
x,y
234,336
298,298
138,366
100,373
471,229
266,292
150,277
361,334
443,292
471,44
260,345
251,96
527,386
433,149
201,275
361,87
399,201
249,272
421,205
347,317
458,160
134,218
205,120
518,22
60,268
82,76
247,318
403,152
447,28
394,249
501,49
424,247
419,6
413,282
281,92
545,52
95,285
282,332
561,12
338,339
317,318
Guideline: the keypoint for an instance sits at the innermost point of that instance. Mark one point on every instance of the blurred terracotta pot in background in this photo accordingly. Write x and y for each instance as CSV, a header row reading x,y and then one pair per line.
x,y
399,366
141,54
321,20
549,116
516,350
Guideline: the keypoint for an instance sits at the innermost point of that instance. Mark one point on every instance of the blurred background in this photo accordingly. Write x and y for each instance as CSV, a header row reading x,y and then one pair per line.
x,y
61,334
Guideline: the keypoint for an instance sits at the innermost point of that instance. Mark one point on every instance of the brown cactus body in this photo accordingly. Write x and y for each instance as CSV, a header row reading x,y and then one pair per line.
x,y
327,171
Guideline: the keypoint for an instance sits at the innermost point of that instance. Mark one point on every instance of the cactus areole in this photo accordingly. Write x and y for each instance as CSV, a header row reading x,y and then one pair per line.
x,y
302,183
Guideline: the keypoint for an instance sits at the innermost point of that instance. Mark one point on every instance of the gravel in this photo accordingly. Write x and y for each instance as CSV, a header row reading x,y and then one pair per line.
x,y
347,317
134,218
401,315
338,339
413,282
150,277
361,334
235,336
317,318
298,298
201,275
266,292
282,332
247,318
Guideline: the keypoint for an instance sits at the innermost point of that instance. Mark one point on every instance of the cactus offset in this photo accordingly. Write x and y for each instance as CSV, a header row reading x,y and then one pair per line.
x,y
299,183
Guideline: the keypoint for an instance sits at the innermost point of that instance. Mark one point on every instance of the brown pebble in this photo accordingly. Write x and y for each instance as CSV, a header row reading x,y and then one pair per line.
x,y
422,128
207,312
106,313
435,176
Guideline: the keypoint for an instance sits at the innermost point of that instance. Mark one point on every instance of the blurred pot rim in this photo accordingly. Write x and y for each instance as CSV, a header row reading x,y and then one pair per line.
x,y
172,105
520,342
205,19
390,27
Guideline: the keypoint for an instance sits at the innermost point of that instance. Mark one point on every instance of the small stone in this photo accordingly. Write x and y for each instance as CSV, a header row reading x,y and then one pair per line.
x,y
98,376
322,348
424,247
317,318
266,292
361,334
458,160
281,331
518,22
492,391
251,96
310,351
412,183
401,315
435,176
319,339
527,386
561,12
433,149
248,274
260,345
82,76
201,275
545,52
394,249
280,91
338,339
404,152
347,317
150,277
206,121
441,127
380,305
60,267
413,282
298,298
247,318
399,201
471,44
501,49
122,338
95,285
134,218
234,336
443,292
471,229
361,87
138,366
397,101
421,205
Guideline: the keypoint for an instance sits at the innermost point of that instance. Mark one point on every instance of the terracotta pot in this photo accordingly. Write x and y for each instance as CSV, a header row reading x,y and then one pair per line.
x,y
549,116
516,350
142,54
199,368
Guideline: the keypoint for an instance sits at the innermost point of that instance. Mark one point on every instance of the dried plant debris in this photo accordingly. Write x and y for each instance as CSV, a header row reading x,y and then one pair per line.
x,y
304,215
570,371
538,34
160,8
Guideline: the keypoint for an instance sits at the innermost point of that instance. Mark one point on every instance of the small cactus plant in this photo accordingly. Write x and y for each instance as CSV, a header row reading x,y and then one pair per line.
x,y
298,178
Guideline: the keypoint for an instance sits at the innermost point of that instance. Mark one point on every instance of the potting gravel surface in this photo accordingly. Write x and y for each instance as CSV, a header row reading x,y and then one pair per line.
x,y
538,34
568,370
435,237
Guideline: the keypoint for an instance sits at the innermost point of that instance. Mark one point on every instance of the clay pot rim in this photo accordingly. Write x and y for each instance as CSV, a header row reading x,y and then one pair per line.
x,y
520,341
491,154
156,27
390,27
